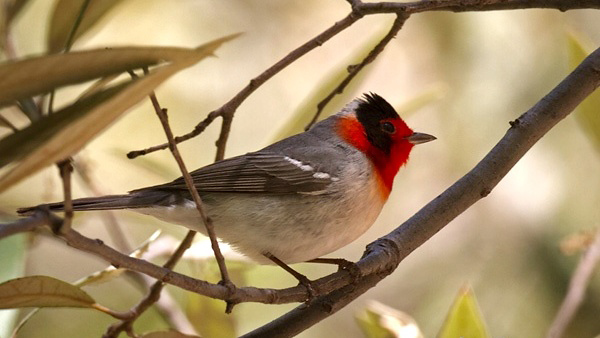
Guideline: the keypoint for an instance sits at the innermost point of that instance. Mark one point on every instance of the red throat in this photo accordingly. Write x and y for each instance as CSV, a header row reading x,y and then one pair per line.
x,y
386,164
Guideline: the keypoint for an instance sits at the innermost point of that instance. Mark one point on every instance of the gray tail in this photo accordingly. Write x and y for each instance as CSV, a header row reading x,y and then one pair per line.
x,y
110,202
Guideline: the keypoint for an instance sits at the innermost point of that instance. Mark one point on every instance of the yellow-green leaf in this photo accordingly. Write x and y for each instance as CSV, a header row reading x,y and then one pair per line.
x,y
167,334
464,318
42,291
37,75
72,137
64,16
382,321
588,112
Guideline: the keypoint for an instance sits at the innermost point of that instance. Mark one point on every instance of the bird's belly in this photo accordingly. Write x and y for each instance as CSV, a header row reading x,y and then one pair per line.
x,y
293,228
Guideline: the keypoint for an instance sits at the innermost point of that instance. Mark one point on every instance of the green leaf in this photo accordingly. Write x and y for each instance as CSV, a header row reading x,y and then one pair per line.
x,y
42,291
588,112
12,262
382,321
464,318
37,75
304,114
86,119
64,16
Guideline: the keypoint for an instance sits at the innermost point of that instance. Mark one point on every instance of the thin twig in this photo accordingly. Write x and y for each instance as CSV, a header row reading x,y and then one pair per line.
x,y
360,9
162,115
353,70
38,219
577,286
229,108
66,169
113,227
471,5
165,305
153,294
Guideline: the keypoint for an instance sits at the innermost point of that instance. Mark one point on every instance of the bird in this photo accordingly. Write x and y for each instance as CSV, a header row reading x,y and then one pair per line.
x,y
295,200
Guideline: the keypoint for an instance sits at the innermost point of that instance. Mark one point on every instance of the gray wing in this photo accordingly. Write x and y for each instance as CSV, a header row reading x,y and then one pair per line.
x,y
259,172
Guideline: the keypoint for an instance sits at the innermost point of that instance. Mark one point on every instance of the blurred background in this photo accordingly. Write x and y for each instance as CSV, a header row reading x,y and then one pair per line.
x,y
460,77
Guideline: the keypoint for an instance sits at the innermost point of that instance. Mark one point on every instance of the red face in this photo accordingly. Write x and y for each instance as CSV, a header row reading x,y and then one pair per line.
x,y
378,131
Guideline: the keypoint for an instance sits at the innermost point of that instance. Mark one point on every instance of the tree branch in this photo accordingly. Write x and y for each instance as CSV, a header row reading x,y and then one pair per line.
x,y
384,255
353,70
154,292
471,5
229,108
359,9
37,220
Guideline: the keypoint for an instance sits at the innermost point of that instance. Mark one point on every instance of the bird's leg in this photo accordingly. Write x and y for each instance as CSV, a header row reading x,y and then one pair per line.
x,y
300,277
342,264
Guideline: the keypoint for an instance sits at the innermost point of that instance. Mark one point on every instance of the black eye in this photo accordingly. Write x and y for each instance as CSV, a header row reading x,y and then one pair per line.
x,y
388,127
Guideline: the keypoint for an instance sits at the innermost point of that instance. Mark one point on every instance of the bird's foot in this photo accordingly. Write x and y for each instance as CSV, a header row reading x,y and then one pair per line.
x,y
343,265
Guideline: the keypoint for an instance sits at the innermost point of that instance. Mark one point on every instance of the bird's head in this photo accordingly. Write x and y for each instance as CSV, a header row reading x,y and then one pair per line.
x,y
372,126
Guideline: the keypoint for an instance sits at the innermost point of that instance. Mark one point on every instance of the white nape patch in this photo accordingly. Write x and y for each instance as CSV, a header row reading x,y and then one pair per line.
x,y
302,166
350,108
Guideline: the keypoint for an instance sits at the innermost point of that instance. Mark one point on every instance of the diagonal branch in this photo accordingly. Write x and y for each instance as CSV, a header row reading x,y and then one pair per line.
x,y
384,255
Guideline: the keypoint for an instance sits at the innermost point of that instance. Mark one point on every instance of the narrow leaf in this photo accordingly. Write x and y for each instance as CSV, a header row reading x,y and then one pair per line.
x,y
72,137
17,145
64,16
588,112
37,75
382,321
13,8
465,318
42,291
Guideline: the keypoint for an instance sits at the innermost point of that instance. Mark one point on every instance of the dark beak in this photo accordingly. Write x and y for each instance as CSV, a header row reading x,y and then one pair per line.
x,y
418,138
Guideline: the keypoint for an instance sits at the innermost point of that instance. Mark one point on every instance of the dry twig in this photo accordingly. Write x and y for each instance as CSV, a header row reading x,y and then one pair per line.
x,y
577,286
353,70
